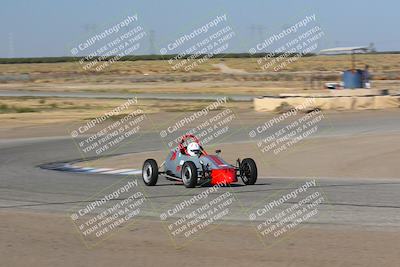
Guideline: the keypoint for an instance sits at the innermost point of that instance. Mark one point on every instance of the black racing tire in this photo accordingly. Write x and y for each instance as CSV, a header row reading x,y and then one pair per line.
x,y
150,172
248,171
189,174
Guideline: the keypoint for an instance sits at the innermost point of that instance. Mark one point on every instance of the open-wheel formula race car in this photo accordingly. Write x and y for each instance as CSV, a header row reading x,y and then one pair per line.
x,y
190,164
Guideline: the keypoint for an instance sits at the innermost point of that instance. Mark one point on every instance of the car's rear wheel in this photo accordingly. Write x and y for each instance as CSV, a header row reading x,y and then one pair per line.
x,y
150,172
189,174
248,171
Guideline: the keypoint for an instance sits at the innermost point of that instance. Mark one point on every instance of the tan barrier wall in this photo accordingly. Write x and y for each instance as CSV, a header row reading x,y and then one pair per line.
x,y
326,103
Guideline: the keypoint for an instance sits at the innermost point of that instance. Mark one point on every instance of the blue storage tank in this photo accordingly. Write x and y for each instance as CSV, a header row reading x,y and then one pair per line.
x,y
352,79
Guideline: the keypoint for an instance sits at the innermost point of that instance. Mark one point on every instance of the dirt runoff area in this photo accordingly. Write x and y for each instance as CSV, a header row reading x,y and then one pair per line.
x,y
33,239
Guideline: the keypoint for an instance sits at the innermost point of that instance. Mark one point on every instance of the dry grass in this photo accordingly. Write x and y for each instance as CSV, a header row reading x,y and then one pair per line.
x,y
378,62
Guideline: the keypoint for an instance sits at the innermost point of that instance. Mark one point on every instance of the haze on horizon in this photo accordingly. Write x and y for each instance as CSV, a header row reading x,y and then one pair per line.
x,y
51,28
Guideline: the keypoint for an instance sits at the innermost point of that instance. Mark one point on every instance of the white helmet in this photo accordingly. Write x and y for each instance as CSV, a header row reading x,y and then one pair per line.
x,y
193,149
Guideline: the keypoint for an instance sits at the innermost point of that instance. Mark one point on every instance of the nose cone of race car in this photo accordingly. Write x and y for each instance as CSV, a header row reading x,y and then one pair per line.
x,y
223,176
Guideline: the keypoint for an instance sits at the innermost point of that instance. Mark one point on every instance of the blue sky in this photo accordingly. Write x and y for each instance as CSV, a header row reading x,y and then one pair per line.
x,y
38,28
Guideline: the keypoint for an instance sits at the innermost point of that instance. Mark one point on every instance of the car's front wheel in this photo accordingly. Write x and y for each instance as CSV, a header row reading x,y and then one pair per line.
x,y
189,174
248,171
150,172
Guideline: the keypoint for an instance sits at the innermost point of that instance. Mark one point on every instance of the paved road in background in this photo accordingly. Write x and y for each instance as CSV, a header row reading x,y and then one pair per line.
x,y
169,96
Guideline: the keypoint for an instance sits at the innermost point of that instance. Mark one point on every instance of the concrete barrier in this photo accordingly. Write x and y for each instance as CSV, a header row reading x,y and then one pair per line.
x,y
365,102
326,103
387,101
342,103
330,93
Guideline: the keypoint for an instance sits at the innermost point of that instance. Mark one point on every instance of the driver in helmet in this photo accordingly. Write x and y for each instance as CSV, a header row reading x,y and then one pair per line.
x,y
193,149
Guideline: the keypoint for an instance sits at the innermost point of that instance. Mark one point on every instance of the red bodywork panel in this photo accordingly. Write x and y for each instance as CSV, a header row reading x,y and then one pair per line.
x,y
227,176
173,157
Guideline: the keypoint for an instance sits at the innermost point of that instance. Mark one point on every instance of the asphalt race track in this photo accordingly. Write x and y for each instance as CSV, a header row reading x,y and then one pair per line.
x,y
24,185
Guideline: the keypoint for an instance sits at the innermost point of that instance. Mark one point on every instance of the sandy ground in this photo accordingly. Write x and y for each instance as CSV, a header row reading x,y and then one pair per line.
x,y
32,239
57,116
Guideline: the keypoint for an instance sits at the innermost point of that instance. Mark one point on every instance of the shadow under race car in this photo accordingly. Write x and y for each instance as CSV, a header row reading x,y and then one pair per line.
x,y
190,164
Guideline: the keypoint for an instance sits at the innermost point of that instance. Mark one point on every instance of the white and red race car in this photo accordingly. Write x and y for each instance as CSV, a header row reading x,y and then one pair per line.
x,y
190,164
